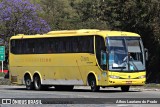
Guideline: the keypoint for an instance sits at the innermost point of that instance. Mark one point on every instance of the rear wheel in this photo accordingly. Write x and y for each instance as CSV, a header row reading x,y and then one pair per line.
x,y
29,84
37,83
92,83
125,88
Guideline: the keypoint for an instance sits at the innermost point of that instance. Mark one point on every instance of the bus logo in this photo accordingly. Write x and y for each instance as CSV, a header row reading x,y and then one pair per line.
x,y
129,76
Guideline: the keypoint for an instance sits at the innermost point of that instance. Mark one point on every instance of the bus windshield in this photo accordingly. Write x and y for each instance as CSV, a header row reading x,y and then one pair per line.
x,y
125,54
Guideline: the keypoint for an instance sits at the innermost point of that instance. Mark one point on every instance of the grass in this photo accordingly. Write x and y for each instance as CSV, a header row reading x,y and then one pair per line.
x,y
2,74
152,86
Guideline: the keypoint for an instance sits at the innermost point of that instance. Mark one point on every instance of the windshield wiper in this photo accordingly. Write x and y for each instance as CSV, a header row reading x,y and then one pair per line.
x,y
129,61
123,67
133,64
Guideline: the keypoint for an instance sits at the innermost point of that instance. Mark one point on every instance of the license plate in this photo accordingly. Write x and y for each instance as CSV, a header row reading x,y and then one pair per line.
x,y
128,82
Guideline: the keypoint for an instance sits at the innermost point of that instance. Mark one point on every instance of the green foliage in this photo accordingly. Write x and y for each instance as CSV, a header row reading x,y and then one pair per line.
x,y
2,74
57,13
140,16
60,14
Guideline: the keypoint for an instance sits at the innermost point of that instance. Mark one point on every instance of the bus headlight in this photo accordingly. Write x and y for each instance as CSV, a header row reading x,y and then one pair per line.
x,y
113,76
143,76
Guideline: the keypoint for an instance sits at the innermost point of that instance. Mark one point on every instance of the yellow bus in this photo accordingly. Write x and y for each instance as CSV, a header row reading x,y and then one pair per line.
x,y
84,57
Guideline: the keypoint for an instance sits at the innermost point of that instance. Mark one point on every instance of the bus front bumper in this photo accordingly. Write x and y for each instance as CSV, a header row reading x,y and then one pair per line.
x,y
130,82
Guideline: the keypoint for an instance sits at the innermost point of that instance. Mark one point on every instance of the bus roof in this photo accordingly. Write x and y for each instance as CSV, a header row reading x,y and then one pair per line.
x,y
81,32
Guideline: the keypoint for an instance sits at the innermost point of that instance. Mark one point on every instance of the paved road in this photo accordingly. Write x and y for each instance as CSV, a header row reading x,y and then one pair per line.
x,y
82,93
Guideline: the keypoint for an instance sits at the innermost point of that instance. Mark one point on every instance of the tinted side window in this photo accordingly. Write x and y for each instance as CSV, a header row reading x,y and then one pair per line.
x,y
100,45
16,46
81,44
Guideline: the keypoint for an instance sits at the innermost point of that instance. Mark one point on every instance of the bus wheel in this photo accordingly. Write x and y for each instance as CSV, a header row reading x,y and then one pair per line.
x,y
29,84
125,88
92,83
37,83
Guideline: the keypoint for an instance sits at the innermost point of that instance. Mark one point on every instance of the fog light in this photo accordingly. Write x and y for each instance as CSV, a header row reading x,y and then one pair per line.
x,y
143,76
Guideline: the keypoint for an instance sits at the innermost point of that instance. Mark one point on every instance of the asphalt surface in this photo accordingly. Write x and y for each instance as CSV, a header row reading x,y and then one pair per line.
x,y
81,97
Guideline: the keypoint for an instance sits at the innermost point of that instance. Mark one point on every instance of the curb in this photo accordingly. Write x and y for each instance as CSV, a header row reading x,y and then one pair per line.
x,y
153,89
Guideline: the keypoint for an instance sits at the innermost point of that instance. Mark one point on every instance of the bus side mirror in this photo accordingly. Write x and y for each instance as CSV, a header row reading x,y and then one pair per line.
x,y
103,58
146,54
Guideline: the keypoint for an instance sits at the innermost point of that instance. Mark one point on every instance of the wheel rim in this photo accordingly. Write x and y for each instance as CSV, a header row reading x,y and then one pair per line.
x,y
28,82
37,82
92,84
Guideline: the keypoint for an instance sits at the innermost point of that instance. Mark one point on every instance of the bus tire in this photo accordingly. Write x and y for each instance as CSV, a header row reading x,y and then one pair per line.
x,y
125,88
29,84
37,82
92,83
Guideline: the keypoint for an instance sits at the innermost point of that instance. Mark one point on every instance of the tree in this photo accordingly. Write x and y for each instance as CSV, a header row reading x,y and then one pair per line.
x,y
20,16
54,12
60,15
140,16
89,14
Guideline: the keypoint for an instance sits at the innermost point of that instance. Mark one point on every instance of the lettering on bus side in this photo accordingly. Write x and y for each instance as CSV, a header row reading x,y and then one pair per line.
x,y
39,60
83,58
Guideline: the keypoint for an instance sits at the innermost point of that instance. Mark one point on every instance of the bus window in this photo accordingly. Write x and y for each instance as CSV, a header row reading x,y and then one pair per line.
x,y
100,46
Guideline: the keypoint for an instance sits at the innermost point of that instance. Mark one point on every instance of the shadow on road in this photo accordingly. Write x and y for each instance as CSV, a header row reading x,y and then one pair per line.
x,y
101,91
76,90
